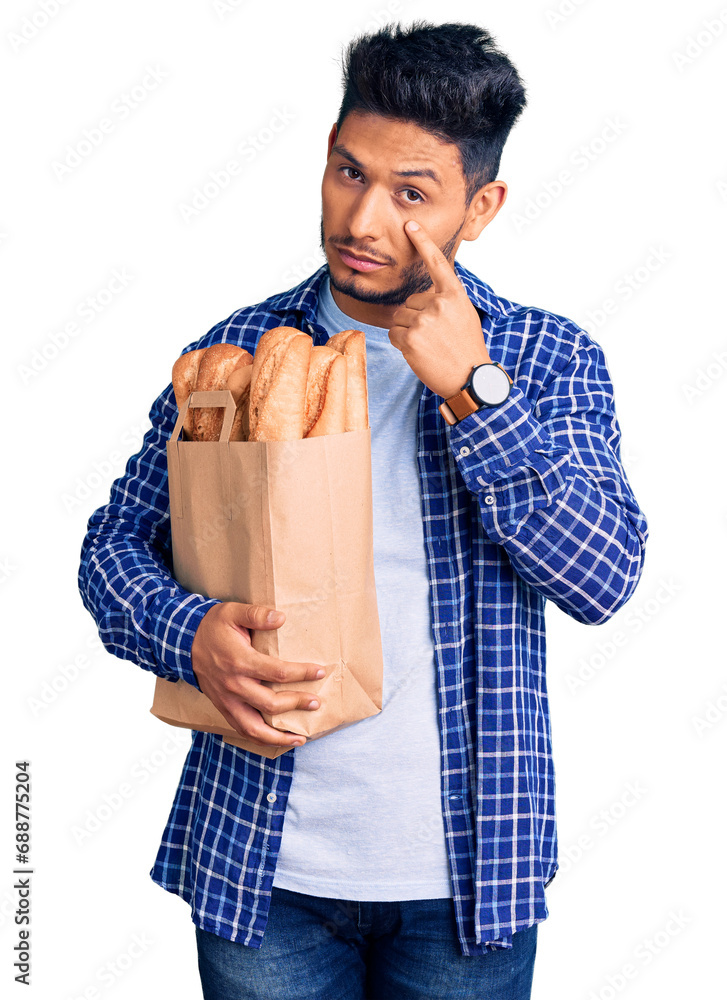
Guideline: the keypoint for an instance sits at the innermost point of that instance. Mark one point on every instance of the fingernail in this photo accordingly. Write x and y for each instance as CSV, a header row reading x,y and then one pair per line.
x,y
313,704
320,673
272,617
297,743
412,225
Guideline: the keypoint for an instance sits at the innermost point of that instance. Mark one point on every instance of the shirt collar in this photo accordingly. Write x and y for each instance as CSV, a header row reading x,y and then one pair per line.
x,y
304,297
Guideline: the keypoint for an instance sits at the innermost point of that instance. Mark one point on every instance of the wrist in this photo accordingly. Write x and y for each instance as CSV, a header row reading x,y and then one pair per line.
x,y
455,383
488,386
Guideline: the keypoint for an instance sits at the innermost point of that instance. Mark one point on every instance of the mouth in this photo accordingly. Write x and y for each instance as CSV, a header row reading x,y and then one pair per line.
x,y
359,263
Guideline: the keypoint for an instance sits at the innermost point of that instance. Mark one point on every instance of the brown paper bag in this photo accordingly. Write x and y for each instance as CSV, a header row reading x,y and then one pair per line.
x,y
286,524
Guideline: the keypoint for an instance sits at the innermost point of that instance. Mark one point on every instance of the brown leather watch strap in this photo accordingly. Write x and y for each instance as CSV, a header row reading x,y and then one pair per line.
x,y
458,406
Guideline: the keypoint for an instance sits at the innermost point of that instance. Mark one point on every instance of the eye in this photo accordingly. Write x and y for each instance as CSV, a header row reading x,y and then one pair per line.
x,y
412,191
354,170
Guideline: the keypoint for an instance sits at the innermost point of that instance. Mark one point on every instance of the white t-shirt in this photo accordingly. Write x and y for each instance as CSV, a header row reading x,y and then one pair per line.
x,y
364,815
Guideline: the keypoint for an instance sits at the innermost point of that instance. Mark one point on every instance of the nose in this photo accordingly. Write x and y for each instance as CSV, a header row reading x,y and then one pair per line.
x,y
366,218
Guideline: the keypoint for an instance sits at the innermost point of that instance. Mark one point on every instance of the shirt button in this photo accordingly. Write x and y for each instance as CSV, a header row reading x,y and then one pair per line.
x,y
272,796
464,452
489,499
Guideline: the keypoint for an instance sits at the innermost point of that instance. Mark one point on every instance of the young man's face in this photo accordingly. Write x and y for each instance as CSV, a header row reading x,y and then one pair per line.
x,y
366,200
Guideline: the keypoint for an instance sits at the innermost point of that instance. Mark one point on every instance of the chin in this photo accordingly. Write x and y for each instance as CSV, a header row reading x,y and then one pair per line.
x,y
364,291
410,280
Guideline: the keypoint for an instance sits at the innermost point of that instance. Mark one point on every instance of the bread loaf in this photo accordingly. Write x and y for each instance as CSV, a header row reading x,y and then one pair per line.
x,y
239,385
352,345
278,383
184,378
215,367
325,394
288,390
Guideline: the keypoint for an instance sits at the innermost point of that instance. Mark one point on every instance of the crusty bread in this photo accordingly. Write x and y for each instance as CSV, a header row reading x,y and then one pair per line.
x,y
325,394
288,390
184,378
277,388
217,364
352,345
239,385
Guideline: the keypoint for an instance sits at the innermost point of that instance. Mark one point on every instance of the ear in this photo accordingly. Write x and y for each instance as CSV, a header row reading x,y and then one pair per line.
x,y
331,139
485,205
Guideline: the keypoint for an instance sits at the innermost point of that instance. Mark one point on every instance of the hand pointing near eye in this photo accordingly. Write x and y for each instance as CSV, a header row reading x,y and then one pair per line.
x,y
439,331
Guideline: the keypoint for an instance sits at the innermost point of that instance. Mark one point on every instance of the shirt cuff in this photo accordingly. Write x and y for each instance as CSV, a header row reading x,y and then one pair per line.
x,y
504,453
174,624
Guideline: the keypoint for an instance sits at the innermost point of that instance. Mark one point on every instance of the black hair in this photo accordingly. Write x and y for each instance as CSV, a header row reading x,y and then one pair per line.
x,y
449,79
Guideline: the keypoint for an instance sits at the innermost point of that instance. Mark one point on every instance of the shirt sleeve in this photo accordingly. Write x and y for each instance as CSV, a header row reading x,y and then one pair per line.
x,y
552,491
125,575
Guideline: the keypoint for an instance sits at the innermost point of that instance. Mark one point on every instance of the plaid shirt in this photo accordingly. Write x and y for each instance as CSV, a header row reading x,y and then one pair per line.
x,y
524,502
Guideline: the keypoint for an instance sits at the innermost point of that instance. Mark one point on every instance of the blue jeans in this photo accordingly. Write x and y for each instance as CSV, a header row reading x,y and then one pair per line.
x,y
333,949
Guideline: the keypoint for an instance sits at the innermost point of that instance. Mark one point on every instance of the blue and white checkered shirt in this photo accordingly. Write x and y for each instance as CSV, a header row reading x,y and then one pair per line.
x,y
524,502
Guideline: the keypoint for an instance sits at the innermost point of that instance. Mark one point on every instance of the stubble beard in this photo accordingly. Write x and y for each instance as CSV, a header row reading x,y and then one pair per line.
x,y
415,277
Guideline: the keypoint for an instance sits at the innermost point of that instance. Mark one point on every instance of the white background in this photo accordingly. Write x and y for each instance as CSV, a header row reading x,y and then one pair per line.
x,y
638,705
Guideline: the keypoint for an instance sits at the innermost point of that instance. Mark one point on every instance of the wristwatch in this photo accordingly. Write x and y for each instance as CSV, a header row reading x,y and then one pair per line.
x,y
488,385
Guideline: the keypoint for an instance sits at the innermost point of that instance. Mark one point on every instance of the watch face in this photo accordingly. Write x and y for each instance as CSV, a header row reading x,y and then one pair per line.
x,y
490,384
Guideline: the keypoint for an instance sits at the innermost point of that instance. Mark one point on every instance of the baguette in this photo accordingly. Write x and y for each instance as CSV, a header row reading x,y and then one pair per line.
x,y
288,390
325,394
239,385
217,364
184,378
278,383
352,345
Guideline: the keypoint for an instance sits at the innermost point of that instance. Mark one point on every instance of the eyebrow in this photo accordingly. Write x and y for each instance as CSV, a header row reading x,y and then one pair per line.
x,y
424,172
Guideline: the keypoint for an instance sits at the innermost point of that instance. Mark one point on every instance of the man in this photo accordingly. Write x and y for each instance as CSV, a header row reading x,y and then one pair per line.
x,y
406,855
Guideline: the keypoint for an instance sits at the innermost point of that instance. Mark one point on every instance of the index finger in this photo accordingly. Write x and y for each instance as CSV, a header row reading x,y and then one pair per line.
x,y
440,270
269,668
